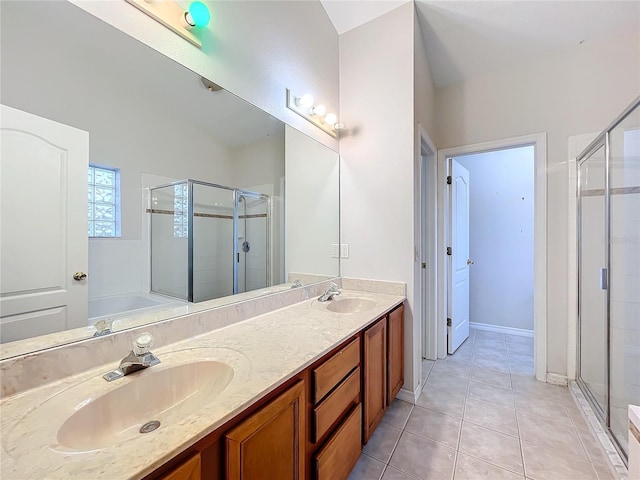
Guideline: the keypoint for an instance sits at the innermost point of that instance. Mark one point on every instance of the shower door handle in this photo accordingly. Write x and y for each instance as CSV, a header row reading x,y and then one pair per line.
x,y
238,257
604,279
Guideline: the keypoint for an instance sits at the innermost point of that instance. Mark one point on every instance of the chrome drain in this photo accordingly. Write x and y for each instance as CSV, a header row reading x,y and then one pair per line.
x,y
149,426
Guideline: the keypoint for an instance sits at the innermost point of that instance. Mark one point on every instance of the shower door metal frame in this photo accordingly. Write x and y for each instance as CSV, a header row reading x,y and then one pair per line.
x,y
236,250
599,141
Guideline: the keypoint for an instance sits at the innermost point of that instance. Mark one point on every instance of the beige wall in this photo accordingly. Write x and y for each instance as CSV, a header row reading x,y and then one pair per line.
x,y
377,99
424,89
577,91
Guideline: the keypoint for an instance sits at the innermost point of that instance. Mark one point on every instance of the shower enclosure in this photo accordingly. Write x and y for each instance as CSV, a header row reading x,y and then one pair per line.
x,y
208,241
609,273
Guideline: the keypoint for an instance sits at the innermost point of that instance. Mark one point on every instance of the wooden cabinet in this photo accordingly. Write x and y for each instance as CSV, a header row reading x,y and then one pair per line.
x,y
270,443
189,470
374,376
395,348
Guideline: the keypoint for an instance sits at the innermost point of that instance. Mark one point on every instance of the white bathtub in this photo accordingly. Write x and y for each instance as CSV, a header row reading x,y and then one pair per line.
x,y
122,305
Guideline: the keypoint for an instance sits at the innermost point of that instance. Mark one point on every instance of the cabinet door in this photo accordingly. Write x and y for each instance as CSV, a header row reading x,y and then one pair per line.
x,y
189,470
395,367
270,444
375,376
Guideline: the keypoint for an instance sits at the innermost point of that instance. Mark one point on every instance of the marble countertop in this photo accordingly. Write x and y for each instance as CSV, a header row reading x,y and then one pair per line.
x,y
264,351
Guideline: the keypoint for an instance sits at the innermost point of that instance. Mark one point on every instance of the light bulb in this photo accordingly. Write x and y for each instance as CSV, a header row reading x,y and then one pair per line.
x,y
319,110
305,101
331,118
198,15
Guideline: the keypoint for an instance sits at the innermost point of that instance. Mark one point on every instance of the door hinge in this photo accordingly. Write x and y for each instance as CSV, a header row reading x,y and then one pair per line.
x,y
448,322
449,251
423,265
449,180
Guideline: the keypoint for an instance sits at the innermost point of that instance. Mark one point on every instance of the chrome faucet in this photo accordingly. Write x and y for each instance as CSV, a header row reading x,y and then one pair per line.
x,y
331,292
139,358
296,284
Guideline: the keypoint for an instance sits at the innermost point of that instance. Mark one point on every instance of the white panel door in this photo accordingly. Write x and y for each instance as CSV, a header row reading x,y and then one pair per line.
x,y
43,234
459,260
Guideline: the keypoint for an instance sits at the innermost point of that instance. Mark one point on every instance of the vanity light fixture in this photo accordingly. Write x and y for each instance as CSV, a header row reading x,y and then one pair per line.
x,y
316,114
331,118
173,16
198,15
305,101
319,110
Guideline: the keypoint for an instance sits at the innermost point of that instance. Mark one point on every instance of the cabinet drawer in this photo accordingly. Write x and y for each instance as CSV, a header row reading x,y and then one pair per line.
x,y
329,374
332,407
340,454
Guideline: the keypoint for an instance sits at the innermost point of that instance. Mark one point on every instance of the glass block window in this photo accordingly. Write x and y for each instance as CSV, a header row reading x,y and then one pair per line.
x,y
104,201
181,211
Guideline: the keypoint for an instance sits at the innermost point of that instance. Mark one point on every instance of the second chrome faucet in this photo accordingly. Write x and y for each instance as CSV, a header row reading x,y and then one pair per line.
x,y
331,292
139,358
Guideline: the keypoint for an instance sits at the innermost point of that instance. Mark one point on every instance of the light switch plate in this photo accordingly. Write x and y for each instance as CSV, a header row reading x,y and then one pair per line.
x,y
344,250
335,250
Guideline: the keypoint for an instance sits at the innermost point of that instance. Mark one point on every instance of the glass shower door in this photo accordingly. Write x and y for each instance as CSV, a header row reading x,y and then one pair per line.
x,y
169,240
592,264
624,287
252,269
211,264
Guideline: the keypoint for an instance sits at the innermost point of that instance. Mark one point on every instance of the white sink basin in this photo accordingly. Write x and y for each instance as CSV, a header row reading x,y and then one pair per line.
x,y
162,395
350,305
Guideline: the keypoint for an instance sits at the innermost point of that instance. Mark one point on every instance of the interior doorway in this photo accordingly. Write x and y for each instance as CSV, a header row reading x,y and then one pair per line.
x,y
491,279
506,217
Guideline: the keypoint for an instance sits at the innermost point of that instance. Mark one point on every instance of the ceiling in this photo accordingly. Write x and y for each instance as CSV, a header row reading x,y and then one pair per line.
x,y
464,39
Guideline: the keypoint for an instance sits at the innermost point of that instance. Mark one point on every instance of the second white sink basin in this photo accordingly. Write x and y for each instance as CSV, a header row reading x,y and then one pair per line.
x,y
131,410
350,305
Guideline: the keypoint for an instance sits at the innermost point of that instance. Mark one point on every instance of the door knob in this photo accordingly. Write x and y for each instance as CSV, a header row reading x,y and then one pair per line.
x,y
79,276
470,262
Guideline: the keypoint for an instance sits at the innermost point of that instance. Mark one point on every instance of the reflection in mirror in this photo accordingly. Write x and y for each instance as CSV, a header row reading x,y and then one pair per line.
x,y
184,201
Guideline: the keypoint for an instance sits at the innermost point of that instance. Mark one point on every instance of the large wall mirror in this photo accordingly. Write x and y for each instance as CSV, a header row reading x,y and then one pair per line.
x,y
133,190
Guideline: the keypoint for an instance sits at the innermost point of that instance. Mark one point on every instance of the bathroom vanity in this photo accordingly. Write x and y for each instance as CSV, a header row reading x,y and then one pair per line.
x,y
313,425
292,393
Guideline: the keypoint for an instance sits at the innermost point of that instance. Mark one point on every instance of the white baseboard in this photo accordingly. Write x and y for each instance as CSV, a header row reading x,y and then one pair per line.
x,y
500,329
409,396
556,379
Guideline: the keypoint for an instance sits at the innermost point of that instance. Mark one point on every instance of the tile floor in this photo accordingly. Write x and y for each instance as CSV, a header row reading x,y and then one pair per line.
x,y
482,415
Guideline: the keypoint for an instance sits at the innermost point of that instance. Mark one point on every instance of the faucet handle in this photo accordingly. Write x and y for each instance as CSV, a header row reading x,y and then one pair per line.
x,y
333,287
143,344
103,327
